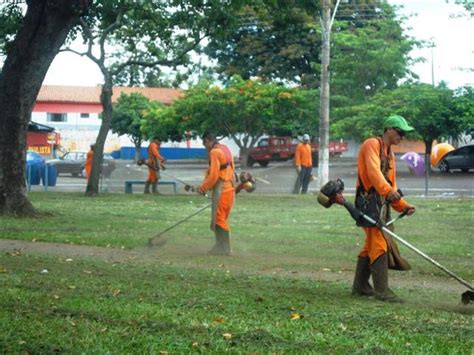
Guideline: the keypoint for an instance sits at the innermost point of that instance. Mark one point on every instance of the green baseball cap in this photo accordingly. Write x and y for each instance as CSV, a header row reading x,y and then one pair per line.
x,y
395,121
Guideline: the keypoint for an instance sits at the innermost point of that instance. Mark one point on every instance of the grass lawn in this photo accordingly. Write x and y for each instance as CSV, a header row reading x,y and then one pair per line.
x,y
286,289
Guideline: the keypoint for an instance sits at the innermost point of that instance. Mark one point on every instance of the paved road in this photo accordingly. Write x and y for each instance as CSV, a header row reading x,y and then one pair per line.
x,y
280,178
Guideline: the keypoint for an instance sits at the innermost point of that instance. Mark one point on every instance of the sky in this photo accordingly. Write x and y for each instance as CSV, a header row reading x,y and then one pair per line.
x,y
434,21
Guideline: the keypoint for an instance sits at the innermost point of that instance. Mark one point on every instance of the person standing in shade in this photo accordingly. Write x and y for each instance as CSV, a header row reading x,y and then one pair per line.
x,y
155,163
220,178
377,186
88,164
303,165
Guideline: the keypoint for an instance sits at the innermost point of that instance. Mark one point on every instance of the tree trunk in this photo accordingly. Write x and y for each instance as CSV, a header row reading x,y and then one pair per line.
x,y
428,146
323,169
44,30
106,101
244,157
137,141
138,151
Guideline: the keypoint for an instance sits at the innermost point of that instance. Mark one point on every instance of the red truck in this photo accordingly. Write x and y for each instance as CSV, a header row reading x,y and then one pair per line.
x,y
283,148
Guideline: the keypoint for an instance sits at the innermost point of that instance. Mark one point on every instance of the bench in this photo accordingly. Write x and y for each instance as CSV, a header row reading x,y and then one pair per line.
x,y
129,184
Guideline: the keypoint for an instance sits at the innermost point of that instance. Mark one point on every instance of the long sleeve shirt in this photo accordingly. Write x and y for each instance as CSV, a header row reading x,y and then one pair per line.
x,y
368,165
217,159
154,154
303,155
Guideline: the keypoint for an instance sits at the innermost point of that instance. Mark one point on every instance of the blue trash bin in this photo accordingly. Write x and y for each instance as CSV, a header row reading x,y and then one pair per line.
x,y
52,177
33,174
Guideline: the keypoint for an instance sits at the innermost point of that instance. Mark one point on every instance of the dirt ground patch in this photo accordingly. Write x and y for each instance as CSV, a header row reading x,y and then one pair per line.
x,y
145,255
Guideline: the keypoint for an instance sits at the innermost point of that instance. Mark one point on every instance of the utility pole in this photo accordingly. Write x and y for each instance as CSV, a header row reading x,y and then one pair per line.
x,y
432,67
428,154
323,167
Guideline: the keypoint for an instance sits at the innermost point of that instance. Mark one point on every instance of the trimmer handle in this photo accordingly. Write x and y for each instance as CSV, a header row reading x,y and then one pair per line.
x,y
387,201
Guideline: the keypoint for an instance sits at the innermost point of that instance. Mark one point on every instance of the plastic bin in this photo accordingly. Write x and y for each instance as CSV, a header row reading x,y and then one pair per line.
x,y
52,177
33,174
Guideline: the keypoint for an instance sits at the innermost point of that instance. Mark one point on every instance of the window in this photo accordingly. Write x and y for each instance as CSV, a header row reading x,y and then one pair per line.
x,y
84,115
80,156
57,117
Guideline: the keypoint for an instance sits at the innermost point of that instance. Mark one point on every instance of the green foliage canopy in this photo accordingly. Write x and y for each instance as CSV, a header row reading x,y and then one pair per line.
x,y
244,110
430,110
11,18
281,41
128,114
463,102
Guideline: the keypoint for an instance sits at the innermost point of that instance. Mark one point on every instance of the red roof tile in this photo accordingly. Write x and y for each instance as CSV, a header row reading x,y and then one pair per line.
x,y
91,94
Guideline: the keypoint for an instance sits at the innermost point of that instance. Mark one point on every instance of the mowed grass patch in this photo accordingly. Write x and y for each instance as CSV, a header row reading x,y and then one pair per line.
x,y
271,228
285,290
90,306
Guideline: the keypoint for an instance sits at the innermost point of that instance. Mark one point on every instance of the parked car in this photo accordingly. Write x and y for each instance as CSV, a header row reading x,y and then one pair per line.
x,y
73,163
461,158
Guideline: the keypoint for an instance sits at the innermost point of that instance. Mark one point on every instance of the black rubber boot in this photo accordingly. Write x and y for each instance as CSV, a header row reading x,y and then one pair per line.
x,y
225,240
379,270
154,188
361,286
222,246
147,187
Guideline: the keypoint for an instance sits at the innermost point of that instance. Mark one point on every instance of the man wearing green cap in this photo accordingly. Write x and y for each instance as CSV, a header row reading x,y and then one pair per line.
x,y
376,184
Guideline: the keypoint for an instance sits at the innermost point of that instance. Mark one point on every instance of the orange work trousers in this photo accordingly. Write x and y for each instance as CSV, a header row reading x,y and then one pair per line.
x,y
226,202
152,175
375,244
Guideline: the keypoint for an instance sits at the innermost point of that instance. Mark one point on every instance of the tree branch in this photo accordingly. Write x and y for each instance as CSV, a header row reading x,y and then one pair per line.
x,y
87,33
105,33
166,62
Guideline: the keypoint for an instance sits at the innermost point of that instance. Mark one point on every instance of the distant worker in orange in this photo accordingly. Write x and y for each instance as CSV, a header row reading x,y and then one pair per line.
x,y
376,184
220,178
155,163
304,165
88,164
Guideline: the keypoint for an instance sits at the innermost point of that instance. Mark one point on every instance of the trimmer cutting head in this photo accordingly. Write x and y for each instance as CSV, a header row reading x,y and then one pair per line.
x,y
247,182
328,192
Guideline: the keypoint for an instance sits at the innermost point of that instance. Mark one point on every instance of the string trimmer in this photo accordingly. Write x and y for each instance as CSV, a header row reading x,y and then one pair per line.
x,y
247,183
331,193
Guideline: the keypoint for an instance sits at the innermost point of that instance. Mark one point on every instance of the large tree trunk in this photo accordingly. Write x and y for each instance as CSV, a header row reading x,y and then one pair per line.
x,y
44,30
106,100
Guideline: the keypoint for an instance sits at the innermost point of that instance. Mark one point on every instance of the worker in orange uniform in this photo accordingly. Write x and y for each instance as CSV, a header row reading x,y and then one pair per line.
x,y
88,164
155,163
304,165
220,178
377,187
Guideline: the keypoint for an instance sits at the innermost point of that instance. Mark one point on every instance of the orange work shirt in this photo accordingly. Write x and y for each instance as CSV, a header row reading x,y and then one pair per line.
x,y
153,152
368,165
303,155
217,158
88,164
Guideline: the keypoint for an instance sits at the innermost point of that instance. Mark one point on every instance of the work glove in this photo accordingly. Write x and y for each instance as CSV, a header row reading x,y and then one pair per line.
x,y
410,210
199,190
393,196
298,170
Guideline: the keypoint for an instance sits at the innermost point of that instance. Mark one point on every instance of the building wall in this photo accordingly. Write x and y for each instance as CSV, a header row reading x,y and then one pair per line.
x,y
73,120
78,133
